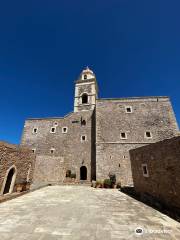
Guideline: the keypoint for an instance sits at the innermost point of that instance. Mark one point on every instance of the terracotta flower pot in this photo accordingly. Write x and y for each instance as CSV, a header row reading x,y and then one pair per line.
x,y
28,186
19,188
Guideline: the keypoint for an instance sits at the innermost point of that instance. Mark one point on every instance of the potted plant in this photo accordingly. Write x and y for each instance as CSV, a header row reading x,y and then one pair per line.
x,y
107,183
112,177
99,183
19,186
28,184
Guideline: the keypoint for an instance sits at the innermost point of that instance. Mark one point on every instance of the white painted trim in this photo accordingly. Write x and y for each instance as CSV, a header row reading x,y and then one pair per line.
x,y
12,182
52,128
65,131
28,173
130,108
52,149
123,137
34,150
145,136
87,83
85,138
145,174
34,129
83,110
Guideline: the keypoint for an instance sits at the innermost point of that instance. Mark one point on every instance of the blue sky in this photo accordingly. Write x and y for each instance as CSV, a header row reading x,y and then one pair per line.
x,y
132,46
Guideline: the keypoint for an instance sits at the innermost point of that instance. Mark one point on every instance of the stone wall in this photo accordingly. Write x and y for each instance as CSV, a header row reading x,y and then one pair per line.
x,y
152,114
162,160
70,152
21,160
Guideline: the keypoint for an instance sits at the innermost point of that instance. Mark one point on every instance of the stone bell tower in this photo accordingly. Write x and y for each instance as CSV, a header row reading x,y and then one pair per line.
x,y
86,91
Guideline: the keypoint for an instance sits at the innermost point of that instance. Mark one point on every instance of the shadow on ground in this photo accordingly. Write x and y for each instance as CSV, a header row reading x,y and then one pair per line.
x,y
152,202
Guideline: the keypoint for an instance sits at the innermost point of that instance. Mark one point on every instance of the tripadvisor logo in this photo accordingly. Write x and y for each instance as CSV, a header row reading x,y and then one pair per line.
x,y
139,231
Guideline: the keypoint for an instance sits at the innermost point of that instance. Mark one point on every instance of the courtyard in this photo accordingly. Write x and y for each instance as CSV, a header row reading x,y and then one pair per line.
x,y
81,212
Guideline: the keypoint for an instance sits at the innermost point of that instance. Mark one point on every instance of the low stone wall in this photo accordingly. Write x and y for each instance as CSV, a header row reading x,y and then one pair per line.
x,y
16,168
156,171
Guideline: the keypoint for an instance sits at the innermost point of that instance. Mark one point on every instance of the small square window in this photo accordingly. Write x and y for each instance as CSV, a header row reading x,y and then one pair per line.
x,y
83,138
64,130
145,170
35,130
53,130
123,135
52,150
128,109
34,150
148,134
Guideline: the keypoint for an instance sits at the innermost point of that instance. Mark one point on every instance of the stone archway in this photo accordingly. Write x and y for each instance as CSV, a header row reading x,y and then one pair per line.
x,y
84,98
83,173
9,180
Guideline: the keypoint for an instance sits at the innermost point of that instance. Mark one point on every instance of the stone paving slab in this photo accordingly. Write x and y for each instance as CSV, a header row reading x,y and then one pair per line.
x,y
78,213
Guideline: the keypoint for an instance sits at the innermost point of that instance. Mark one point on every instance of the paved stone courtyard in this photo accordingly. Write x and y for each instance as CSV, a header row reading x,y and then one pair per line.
x,y
79,212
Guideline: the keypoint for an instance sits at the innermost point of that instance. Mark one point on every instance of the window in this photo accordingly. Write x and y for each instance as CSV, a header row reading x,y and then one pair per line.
x,y
64,130
145,170
123,135
55,124
53,130
83,138
148,135
85,76
128,109
83,122
34,150
35,130
84,98
52,150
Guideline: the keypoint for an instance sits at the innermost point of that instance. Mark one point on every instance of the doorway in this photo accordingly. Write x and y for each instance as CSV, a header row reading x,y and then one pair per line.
x,y
83,173
9,181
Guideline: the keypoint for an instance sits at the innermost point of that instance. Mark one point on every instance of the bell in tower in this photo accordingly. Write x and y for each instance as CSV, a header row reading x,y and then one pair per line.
x,y
86,91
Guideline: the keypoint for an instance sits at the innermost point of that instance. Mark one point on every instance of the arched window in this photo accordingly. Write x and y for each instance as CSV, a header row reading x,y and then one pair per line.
x,y
84,98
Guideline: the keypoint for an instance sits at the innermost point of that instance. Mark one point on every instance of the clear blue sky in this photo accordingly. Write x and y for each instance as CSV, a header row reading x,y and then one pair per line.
x,y
132,46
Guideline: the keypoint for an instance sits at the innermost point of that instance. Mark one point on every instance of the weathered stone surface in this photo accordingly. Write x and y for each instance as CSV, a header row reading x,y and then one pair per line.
x,y
163,165
22,159
104,151
148,114
70,153
65,212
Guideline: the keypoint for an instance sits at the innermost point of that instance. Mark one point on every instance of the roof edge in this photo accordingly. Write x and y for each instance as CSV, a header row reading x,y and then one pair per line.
x,y
43,118
129,98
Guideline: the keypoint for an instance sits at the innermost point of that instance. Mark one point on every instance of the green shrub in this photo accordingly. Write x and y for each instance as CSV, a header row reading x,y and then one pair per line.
x,y
107,183
99,183
112,177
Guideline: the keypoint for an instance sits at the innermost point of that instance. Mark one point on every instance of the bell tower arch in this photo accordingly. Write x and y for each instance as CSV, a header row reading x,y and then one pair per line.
x,y
86,91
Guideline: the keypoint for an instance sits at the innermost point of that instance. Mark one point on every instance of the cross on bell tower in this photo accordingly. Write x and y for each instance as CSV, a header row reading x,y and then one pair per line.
x,y
86,91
